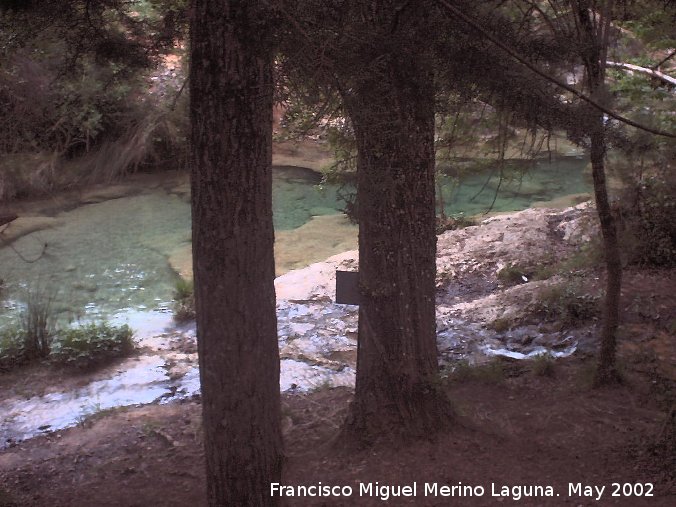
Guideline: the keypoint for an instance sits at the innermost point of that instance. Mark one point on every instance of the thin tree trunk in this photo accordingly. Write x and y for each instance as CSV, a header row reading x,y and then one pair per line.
x,y
594,37
396,391
606,372
231,114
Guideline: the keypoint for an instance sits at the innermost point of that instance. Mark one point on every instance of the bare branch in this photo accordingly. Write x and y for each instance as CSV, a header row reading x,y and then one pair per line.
x,y
643,70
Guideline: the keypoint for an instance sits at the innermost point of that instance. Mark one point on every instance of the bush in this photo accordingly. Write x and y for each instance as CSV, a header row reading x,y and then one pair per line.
x,y
566,302
513,275
491,372
11,348
500,325
184,301
649,234
91,344
452,223
543,365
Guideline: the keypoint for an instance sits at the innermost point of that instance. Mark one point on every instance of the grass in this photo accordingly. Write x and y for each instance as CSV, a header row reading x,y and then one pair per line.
x,y
589,256
30,338
35,337
323,386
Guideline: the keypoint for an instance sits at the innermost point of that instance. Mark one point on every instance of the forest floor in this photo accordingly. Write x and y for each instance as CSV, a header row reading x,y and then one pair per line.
x,y
514,427
518,423
519,429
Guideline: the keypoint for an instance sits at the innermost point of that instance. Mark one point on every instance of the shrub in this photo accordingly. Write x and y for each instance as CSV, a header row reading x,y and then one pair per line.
x,y
649,233
500,325
543,365
11,348
184,300
91,344
566,302
491,372
452,223
590,255
513,275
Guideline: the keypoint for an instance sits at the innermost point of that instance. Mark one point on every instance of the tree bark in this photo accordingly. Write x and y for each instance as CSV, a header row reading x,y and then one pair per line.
x,y
231,113
396,392
594,45
606,371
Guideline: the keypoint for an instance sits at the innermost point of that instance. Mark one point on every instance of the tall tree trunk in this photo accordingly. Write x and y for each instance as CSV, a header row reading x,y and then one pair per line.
x,y
231,114
594,40
397,371
606,372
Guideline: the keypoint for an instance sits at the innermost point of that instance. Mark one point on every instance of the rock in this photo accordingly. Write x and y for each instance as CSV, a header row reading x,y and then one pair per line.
x,y
314,241
315,281
25,225
579,225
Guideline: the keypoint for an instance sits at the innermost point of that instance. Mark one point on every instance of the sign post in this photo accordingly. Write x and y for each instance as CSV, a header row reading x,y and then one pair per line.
x,y
347,287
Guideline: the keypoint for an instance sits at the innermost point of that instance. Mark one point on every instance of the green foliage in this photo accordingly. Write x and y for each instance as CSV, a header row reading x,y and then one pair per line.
x,y
184,300
12,340
452,223
567,303
30,338
512,275
543,365
91,344
589,255
651,22
79,100
500,325
649,233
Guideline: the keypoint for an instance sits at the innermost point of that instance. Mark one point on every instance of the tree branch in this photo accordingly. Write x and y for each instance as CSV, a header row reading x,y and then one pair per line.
x,y
643,70
455,11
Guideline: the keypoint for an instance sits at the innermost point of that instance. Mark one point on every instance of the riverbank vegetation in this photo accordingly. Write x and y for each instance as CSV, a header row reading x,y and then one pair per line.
x,y
183,307
80,103
39,336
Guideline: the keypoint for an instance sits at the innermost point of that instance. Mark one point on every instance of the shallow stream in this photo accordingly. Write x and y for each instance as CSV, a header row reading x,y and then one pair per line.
x,y
109,260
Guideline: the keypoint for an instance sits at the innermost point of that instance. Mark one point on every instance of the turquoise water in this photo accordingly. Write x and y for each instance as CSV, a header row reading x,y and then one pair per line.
x,y
523,184
112,255
297,196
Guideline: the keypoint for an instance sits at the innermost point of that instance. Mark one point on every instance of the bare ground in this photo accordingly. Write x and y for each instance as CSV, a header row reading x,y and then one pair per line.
x,y
521,429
